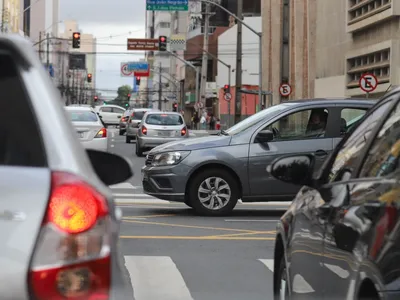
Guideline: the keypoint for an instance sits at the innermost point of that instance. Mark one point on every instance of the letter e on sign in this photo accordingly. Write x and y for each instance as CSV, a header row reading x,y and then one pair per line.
x,y
285,90
368,82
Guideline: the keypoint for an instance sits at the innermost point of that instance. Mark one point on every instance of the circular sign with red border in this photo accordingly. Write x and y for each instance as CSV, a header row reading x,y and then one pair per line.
x,y
125,70
368,82
285,89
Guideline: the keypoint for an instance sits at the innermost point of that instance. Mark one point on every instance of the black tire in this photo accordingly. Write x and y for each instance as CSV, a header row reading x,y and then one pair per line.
x,y
199,179
278,278
128,139
139,150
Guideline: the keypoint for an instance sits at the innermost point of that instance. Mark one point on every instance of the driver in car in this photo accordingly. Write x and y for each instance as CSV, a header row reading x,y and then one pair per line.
x,y
317,123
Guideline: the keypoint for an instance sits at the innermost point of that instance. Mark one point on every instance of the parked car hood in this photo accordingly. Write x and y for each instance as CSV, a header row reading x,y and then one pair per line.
x,y
193,144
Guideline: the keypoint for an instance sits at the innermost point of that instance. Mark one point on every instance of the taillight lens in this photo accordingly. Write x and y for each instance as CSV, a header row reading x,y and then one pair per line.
x,y
102,133
72,255
183,131
144,130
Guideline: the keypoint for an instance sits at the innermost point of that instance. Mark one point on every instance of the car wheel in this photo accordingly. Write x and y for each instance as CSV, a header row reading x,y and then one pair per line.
x,y
128,139
139,150
213,193
281,289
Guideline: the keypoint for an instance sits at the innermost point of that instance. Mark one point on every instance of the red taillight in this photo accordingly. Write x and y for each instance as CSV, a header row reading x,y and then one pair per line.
x,y
183,131
144,130
72,255
102,133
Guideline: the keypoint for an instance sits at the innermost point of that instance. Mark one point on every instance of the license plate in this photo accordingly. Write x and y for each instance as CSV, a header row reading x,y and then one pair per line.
x,y
164,133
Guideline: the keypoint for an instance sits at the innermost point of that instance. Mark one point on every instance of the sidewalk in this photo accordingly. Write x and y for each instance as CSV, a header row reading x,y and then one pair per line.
x,y
201,133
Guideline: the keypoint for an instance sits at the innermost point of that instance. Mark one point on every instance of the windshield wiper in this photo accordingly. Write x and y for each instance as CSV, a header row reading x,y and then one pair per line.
x,y
223,132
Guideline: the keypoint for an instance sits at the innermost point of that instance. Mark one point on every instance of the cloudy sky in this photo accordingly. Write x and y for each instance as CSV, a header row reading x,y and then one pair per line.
x,y
111,22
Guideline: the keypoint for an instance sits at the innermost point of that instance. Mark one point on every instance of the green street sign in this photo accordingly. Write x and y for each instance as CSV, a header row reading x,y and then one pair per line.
x,y
167,5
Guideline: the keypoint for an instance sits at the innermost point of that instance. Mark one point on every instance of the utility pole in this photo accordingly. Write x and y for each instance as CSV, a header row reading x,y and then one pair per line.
x,y
204,63
73,87
48,51
40,46
238,96
160,88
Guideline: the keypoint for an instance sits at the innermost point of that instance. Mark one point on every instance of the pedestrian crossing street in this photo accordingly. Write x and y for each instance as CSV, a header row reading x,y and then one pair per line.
x,y
126,193
160,277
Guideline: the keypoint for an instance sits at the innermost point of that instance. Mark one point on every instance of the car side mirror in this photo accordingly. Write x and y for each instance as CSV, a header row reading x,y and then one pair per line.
x,y
264,136
110,168
296,169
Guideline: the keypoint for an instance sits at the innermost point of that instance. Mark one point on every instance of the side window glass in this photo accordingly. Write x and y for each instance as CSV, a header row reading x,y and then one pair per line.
x,y
20,144
347,157
350,117
105,109
306,124
117,110
383,157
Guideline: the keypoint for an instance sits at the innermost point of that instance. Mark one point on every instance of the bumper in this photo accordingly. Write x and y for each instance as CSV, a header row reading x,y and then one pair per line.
x,y
131,131
166,183
100,144
152,142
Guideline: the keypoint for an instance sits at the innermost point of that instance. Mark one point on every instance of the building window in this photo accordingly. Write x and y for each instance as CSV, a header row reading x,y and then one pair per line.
x,y
362,9
377,63
164,25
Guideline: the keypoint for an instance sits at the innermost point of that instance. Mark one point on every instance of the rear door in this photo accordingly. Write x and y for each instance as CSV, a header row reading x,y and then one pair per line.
x,y
86,123
24,177
164,125
105,113
136,117
117,114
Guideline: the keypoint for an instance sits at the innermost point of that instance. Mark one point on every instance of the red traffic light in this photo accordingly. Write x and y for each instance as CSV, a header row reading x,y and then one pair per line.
x,y
89,75
138,78
226,86
95,97
162,39
175,105
76,35
129,95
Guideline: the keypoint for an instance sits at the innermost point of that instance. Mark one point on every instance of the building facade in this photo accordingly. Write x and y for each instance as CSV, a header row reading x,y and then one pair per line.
x,y
11,13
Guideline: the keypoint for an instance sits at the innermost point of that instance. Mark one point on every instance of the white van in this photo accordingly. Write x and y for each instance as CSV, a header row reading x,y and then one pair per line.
x,y
110,114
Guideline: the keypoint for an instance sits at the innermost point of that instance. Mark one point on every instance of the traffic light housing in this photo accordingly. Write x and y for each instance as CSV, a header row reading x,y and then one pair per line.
x,y
227,88
96,98
76,40
175,107
138,80
162,43
129,96
89,77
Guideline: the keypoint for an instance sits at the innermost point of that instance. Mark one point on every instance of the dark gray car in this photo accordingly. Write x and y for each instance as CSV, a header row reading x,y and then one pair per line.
x,y
212,173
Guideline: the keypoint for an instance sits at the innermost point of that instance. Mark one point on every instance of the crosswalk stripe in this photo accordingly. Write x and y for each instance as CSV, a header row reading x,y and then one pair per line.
x,y
269,263
124,185
156,277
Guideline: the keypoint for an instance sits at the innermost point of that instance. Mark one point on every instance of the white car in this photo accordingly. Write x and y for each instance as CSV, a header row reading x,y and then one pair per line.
x,y
110,114
90,130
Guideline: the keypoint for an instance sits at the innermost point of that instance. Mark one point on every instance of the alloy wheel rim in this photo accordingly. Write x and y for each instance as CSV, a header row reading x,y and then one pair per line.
x,y
214,193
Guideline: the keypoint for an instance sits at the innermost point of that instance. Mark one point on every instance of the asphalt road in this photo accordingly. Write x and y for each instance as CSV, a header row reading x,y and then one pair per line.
x,y
172,254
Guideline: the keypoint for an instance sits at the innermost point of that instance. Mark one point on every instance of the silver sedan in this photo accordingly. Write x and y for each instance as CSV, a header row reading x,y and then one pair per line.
x,y
158,128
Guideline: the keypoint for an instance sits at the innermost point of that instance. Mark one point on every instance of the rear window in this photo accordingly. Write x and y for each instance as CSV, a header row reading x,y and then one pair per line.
x,y
164,119
138,115
82,116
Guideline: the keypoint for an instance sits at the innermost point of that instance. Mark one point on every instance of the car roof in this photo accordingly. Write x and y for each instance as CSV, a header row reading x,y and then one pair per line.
x,y
163,113
83,108
345,101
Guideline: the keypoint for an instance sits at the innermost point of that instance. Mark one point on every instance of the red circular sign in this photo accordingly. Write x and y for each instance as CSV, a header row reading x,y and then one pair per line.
x,y
368,82
285,89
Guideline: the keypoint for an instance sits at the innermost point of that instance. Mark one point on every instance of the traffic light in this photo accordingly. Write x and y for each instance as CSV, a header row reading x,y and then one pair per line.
x,y
76,40
227,88
138,80
129,97
175,107
89,77
162,43
96,98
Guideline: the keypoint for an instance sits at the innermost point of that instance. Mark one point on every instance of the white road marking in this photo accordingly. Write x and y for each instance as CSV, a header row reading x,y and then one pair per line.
x,y
133,195
124,185
112,140
112,134
156,277
269,263
140,201
241,220
301,286
283,203
112,146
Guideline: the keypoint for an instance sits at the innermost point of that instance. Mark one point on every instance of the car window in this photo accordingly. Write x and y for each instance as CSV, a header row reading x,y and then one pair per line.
x,y
263,115
137,115
21,143
303,124
383,156
82,116
164,120
105,109
118,110
350,117
347,156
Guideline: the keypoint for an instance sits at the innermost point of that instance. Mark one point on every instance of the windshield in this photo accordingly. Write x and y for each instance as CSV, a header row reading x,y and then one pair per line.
x,y
138,115
82,116
164,119
258,117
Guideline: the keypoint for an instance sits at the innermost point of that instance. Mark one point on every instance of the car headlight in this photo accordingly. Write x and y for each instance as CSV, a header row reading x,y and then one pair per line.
x,y
169,158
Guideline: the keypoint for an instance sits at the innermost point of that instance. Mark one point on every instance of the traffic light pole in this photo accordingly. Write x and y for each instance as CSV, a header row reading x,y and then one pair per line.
x,y
159,89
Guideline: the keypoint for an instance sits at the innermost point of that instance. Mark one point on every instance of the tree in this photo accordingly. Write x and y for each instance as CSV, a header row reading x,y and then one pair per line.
x,y
122,95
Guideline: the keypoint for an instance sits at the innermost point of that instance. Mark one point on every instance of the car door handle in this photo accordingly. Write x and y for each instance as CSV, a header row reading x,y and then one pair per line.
x,y
321,153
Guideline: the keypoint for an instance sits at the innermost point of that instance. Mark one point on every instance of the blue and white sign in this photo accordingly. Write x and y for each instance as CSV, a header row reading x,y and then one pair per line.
x,y
138,66
167,5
